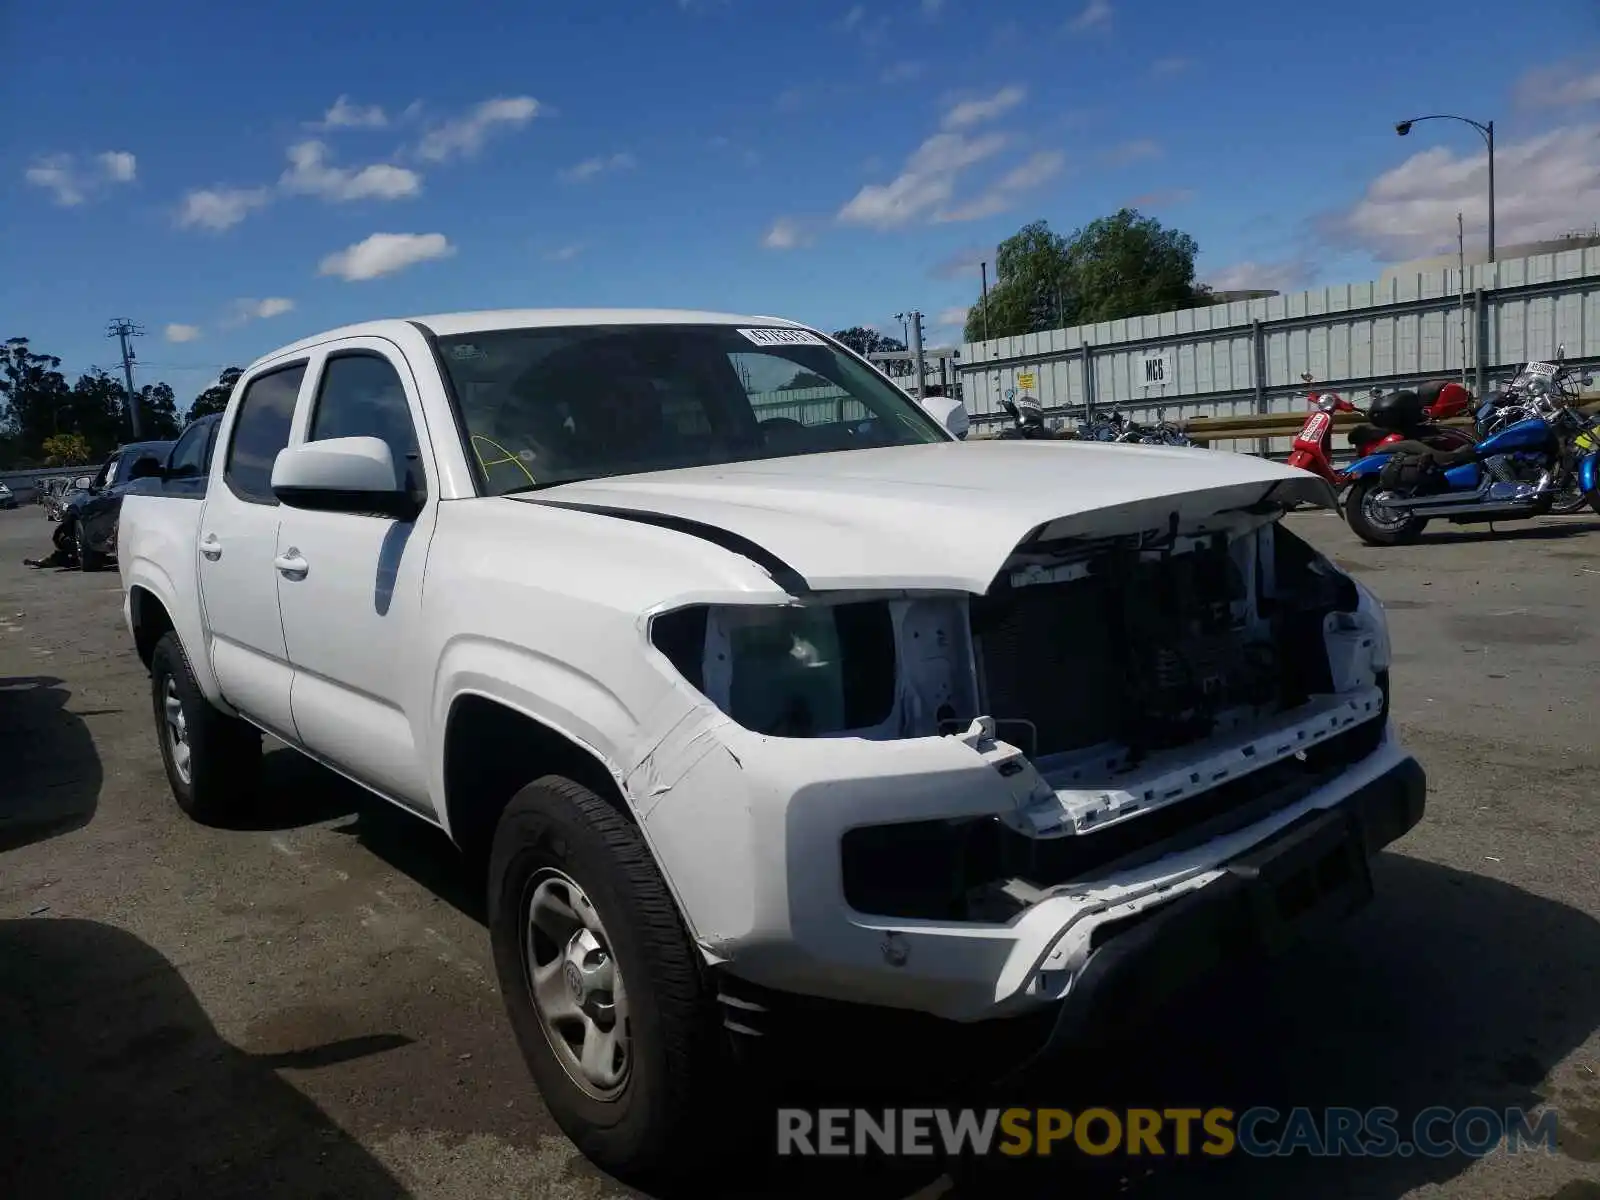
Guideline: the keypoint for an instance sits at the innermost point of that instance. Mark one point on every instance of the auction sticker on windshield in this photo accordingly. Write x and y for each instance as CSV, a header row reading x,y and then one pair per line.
x,y
782,337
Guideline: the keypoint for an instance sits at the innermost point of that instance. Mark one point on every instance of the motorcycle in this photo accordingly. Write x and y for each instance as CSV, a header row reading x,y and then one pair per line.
x,y
1027,417
1551,390
1394,417
1098,427
1162,433
1511,475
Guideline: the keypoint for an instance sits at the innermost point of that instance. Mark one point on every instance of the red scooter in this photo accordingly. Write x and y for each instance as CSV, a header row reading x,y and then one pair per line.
x,y
1395,417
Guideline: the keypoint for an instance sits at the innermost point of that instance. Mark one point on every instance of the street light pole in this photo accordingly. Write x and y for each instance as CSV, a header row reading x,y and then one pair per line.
x,y
1487,132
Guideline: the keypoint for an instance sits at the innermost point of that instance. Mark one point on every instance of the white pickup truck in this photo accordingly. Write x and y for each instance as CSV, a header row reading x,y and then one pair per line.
x,y
770,706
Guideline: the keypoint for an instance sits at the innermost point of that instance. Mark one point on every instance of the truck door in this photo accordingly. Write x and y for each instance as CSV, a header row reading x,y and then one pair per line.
x,y
238,543
350,584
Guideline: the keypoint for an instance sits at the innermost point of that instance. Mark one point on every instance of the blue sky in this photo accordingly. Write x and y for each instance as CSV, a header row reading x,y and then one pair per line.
x,y
218,174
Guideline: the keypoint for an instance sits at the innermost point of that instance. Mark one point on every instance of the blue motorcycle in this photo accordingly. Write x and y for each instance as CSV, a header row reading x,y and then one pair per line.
x,y
1515,473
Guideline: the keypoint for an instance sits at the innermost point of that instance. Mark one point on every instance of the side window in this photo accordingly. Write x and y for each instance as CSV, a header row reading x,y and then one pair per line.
x,y
260,430
189,455
211,445
361,396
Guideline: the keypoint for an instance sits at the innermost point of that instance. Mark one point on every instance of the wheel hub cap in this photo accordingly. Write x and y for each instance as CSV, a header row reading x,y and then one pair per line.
x,y
177,729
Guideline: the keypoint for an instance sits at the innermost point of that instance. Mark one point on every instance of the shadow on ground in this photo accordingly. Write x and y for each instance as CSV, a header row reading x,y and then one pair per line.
x,y
50,772
1441,534
115,1083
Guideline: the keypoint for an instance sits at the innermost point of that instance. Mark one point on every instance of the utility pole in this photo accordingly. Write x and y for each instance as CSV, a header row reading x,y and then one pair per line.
x,y
984,267
916,351
122,329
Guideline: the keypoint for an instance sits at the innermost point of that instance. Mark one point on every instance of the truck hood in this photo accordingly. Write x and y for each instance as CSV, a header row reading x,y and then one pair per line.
x,y
944,516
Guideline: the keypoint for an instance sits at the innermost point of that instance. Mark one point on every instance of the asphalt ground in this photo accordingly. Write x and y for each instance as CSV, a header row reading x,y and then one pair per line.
x,y
304,1006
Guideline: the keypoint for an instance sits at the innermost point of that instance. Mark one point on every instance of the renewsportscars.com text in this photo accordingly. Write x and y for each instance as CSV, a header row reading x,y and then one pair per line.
x,y
1158,1132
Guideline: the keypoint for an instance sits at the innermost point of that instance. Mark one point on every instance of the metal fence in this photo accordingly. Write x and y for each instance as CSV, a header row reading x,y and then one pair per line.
x,y
1246,357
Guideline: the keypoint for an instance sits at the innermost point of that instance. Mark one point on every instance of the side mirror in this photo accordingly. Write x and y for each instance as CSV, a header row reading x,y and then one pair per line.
x,y
146,467
950,413
1587,381
82,482
352,475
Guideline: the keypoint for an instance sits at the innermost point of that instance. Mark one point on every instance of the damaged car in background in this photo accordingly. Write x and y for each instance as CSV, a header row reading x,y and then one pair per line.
x,y
812,736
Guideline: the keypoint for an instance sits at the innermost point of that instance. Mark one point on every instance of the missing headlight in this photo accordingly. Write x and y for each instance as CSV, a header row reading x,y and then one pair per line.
x,y
792,671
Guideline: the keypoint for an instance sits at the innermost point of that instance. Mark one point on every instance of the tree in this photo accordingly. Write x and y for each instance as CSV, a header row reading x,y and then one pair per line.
x,y
1125,265
215,398
96,408
35,394
867,342
67,450
158,412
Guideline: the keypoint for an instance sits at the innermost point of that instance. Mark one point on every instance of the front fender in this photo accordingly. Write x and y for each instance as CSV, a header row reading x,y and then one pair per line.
x,y
1589,471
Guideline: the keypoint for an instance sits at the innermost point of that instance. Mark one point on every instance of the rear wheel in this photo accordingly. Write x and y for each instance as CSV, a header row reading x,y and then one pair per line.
x,y
212,759
1375,525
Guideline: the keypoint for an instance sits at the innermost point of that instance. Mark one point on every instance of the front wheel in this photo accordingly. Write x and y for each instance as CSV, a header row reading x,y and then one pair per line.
x,y
1373,524
605,991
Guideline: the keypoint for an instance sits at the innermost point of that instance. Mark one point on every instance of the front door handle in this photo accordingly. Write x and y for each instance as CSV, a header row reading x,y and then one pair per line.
x,y
211,547
290,565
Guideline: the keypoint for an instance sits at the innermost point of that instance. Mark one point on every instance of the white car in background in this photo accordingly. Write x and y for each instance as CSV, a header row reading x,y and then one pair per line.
x,y
771,725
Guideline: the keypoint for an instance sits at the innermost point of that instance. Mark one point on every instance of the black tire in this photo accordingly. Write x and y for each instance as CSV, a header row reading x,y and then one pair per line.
x,y
224,762
1402,534
88,560
656,1130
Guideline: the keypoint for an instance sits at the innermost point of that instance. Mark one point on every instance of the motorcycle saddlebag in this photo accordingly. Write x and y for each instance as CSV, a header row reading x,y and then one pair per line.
x,y
1413,474
1396,411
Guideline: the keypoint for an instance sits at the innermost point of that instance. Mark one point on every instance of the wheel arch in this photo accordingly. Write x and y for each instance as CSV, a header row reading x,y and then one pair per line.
x,y
492,748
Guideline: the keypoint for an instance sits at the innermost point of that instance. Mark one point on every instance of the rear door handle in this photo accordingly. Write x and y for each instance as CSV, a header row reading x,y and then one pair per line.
x,y
211,547
291,565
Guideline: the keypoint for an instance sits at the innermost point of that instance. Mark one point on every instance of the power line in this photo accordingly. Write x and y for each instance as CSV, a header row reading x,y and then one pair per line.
x,y
122,329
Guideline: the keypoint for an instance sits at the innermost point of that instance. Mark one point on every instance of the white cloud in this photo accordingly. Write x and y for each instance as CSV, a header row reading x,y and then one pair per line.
x,y
465,136
1292,275
853,18
590,167
963,263
344,115
220,207
975,112
72,185
1002,194
1563,85
384,254
902,72
785,234
951,317
926,182
1164,67
1095,14
119,166
932,8
565,253
182,333
245,310
310,174
1545,186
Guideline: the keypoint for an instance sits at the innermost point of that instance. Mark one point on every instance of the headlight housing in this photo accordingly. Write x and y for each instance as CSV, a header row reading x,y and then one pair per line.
x,y
843,666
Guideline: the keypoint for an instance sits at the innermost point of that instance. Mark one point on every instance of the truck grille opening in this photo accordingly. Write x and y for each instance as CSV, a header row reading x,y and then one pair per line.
x,y
1147,651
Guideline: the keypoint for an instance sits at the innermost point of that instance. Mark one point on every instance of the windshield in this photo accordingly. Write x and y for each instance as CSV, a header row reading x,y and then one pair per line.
x,y
546,406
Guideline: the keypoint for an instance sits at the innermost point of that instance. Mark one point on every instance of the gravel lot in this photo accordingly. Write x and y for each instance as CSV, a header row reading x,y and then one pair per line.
x,y
306,1007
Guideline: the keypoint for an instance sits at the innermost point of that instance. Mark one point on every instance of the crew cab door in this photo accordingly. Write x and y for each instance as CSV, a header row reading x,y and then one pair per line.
x,y
238,543
350,583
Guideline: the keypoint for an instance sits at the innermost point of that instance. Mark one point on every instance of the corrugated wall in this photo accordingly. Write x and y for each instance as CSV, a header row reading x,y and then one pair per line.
x,y
1349,337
